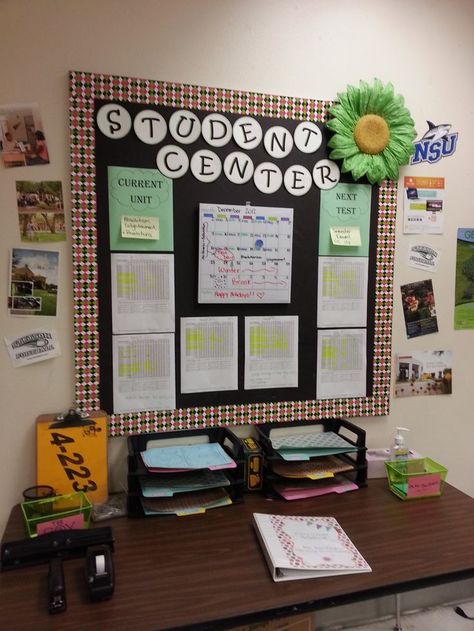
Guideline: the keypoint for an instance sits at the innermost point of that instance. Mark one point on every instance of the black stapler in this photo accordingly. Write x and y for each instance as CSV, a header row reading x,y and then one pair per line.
x,y
56,586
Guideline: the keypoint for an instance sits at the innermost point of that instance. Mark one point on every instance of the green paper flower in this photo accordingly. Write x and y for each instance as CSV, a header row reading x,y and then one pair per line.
x,y
373,132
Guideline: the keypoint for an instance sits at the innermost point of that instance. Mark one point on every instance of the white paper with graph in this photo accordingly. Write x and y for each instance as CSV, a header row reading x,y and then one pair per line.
x,y
143,372
142,293
271,352
245,254
341,363
209,354
342,291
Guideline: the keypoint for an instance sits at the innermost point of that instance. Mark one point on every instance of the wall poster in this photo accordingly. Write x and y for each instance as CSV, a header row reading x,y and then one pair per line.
x,y
212,240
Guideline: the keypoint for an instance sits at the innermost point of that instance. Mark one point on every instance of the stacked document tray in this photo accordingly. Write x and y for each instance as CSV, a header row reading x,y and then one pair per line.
x,y
184,472
308,459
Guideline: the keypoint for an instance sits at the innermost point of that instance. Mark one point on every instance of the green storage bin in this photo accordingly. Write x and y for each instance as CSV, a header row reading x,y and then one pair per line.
x,y
415,478
57,513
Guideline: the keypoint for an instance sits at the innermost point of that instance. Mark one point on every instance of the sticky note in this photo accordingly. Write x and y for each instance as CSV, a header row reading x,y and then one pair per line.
x,y
345,235
139,227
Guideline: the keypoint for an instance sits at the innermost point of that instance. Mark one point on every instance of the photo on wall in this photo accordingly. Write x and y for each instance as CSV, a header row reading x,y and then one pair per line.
x,y
33,282
22,137
423,373
40,211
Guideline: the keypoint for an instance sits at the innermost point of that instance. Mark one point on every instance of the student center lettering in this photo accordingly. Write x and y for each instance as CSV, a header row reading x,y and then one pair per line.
x,y
150,127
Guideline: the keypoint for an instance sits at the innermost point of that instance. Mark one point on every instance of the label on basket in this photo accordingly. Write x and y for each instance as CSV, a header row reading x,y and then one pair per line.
x,y
65,523
421,485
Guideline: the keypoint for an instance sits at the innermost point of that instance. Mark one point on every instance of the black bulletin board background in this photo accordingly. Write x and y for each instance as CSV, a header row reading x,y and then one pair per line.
x,y
188,193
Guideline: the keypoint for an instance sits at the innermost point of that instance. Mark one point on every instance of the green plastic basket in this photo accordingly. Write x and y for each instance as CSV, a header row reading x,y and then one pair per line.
x,y
415,478
57,513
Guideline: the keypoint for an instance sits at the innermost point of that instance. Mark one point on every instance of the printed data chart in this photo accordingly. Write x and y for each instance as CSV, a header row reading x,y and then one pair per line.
x,y
245,254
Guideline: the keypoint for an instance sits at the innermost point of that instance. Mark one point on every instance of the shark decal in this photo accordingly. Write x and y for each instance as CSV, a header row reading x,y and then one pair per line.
x,y
436,132
435,144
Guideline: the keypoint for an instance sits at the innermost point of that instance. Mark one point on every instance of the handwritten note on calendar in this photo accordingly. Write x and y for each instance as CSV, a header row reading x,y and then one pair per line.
x,y
245,254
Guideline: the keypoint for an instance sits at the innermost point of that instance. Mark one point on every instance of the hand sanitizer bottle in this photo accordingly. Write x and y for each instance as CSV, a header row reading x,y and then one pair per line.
x,y
399,450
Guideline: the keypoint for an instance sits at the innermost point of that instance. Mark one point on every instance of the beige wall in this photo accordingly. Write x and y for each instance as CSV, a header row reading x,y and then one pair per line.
x,y
307,48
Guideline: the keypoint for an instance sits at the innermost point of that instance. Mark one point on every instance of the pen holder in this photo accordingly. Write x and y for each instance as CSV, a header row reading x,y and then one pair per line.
x,y
60,512
412,479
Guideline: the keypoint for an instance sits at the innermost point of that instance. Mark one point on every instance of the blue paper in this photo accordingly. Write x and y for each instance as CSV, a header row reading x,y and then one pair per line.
x,y
201,456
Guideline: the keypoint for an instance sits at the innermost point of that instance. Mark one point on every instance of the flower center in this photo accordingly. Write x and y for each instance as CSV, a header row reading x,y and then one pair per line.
x,y
371,134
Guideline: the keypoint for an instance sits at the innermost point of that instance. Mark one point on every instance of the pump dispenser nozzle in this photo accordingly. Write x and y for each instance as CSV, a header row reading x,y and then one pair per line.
x,y
399,449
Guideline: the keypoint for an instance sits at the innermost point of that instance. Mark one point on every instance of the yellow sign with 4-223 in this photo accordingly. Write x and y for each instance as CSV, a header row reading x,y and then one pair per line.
x,y
72,454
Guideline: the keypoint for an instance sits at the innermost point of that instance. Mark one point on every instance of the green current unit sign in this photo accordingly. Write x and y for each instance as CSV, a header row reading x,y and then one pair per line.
x,y
140,210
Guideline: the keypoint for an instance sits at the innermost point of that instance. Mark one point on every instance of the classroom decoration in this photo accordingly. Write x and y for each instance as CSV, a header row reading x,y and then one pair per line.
x,y
373,131
435,144
162,341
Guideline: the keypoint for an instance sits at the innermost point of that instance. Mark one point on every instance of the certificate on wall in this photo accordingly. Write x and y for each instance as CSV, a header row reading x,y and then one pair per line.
x,y
143,372
245,254
271,352
209,354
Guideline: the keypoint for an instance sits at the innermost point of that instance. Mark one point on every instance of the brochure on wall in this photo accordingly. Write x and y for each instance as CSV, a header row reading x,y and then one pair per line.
x,y
423,373
345,214
341,363
464,299
423,200
143,372
419,308
297,546
209,354
342,291
33,282
271,352
142,293
245,254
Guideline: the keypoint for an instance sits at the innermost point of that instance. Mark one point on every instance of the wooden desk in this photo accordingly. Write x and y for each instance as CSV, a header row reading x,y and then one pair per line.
x,y
13,158
208,571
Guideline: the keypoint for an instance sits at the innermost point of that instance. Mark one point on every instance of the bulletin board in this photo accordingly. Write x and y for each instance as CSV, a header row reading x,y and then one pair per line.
x,y
92,156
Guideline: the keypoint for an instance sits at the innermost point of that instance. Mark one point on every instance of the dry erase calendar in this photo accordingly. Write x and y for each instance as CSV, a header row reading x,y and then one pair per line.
x,y
245,254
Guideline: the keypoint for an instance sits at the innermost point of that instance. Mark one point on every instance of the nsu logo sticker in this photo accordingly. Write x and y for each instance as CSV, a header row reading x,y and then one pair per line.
x,y
437,143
